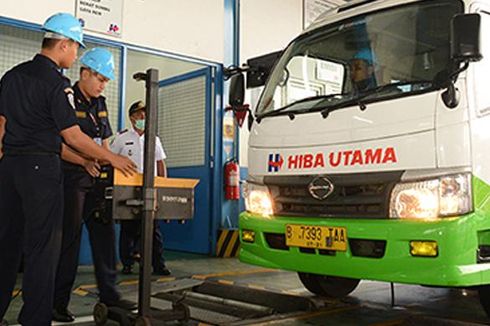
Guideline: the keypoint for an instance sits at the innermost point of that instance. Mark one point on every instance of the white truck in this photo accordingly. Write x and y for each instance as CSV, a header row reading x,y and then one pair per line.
x,y
369,151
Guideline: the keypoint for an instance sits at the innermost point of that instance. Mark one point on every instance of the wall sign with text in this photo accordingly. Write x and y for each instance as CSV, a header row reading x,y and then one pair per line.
x,y
102,16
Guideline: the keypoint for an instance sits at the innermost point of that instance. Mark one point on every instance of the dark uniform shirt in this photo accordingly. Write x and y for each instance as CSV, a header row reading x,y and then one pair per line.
x,y
92,117
35,100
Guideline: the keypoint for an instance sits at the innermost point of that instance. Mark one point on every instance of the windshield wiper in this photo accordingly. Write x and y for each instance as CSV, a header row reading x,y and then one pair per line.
x,y
377,90
283,110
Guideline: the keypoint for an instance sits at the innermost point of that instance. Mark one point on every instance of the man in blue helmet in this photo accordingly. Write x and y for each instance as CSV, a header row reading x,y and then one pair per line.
x,y
36,113
80,175
362,71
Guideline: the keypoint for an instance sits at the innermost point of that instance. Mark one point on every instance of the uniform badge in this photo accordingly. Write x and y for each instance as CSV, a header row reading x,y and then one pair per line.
x,y
70,96
81,114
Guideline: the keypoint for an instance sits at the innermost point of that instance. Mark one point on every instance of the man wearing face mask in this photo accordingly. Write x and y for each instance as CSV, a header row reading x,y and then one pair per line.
x,y
131,143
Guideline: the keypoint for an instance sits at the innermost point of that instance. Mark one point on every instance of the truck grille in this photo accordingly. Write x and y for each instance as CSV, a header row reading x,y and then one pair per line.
x,y
365,195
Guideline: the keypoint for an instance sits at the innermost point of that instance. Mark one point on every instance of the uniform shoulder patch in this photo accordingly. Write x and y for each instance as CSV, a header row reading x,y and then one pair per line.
x,y
70,96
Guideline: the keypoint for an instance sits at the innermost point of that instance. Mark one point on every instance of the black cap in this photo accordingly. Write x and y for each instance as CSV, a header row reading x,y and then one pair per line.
x,y
136,106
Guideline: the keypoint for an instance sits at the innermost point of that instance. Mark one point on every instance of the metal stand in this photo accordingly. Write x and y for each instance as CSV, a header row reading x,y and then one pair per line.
x,y
148,203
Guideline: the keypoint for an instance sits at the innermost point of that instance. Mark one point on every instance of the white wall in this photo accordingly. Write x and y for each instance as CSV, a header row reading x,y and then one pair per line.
x,y
265,26
34,11
191,27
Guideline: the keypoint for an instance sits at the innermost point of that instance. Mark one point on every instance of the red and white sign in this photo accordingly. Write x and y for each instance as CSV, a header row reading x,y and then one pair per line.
x,y
345,158
399,153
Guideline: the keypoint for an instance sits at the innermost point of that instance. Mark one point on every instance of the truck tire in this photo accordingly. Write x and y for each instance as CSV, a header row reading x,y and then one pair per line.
x,y
338,287
311,283
328,286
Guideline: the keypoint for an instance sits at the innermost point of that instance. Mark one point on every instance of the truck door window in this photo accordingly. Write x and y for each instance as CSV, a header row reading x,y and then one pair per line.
x,y
406,45
308,77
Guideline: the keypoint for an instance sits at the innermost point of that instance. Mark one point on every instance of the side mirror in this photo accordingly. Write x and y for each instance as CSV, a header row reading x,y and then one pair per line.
x,y
237,90
465,48
465,38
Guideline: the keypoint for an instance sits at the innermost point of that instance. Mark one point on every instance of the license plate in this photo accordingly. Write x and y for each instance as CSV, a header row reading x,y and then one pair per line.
x,y
320,237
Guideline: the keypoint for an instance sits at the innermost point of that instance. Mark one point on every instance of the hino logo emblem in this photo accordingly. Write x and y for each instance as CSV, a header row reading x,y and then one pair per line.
x,y
320,188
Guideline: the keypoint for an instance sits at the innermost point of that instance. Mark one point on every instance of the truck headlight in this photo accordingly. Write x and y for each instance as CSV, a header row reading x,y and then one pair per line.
x,y
429,199
257,199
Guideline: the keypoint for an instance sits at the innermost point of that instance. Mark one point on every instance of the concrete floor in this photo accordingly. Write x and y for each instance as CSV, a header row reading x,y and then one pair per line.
x,y
369,304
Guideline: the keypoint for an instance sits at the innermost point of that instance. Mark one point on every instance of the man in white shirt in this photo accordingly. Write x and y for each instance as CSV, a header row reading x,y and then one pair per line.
x,y
131,143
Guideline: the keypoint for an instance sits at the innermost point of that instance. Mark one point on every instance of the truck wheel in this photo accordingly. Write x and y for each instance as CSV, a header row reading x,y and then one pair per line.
x,y
311,283
484,293
337,287
329,286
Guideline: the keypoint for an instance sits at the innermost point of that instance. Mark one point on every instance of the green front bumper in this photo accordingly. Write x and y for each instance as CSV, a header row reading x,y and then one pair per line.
x,y
456,265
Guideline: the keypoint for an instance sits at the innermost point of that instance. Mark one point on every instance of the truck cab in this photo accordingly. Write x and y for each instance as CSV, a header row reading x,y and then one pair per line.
x,y
368,152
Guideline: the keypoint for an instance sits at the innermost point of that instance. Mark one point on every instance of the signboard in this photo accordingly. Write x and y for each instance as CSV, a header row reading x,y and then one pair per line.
x,y
102,16
314,8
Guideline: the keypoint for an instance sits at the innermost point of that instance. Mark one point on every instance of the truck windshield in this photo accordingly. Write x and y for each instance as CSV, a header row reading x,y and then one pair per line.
x,y
407,46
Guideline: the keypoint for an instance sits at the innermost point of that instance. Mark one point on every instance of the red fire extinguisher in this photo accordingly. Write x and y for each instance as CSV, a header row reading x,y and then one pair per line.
x,y
232,180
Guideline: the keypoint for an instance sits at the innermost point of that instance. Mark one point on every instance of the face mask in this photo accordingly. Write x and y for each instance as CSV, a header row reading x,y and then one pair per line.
x,y
140,124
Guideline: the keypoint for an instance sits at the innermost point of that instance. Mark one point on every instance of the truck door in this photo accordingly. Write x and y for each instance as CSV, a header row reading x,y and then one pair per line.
x,y
185,128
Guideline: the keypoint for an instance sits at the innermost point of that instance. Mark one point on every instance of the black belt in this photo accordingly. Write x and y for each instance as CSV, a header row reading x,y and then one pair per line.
x,y
29,153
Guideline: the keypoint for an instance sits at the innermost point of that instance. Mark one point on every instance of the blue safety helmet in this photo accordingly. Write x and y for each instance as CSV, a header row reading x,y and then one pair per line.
x,y
366,55
99,60
65,25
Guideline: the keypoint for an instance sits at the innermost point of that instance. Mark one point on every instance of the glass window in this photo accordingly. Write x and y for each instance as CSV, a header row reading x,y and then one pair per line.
x,y
394,52
17,45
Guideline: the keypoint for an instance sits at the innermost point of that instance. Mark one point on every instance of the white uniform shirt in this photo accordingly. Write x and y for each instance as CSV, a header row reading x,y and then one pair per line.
x,y
129,143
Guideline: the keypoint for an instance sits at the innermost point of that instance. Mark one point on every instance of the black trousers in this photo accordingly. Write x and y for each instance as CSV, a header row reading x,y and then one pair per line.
x,y
31,210
129,242
79,201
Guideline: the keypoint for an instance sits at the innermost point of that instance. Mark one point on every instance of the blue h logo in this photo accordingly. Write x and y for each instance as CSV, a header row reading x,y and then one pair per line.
x,y
275,162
